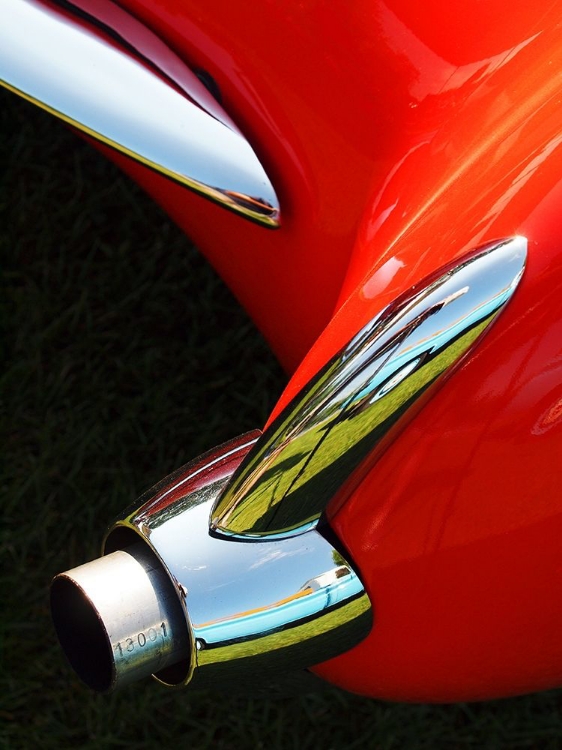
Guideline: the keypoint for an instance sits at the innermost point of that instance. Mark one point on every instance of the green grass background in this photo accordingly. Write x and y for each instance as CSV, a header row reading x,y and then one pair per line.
x,y
124,356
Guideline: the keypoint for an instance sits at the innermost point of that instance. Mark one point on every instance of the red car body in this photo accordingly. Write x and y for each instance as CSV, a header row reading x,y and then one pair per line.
x,y
398,138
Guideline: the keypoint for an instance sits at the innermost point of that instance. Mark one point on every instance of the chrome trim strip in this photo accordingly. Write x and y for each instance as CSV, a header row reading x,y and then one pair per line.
x,y
100,86
345,415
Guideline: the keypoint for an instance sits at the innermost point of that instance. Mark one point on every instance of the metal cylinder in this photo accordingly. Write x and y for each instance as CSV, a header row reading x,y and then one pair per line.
x,y
174,600
119,619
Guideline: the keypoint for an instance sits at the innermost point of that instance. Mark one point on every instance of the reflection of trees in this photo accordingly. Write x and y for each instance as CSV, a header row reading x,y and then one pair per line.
x,y
338,559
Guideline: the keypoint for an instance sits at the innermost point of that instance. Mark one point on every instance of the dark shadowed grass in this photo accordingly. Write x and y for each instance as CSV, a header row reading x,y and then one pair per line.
x,y
124,357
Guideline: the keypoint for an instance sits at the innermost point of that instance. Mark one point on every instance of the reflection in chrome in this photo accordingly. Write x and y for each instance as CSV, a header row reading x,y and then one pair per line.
x,y
79,68
252,611
338,425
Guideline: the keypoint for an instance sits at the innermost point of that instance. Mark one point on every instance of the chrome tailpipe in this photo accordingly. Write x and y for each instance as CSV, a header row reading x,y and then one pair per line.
x,y
171,599
220,574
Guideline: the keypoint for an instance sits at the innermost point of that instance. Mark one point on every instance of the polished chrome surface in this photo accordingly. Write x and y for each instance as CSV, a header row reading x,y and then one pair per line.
x,y
338,425
255,610
118,618
156,112
250,614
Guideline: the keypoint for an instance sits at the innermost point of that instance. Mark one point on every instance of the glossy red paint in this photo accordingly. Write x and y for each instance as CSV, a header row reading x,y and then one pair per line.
x,y
313,114
399,138
457,527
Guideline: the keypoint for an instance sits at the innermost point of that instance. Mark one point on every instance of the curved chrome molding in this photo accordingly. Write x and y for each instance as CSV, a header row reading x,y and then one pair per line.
x,y
156,112
253,611
343,417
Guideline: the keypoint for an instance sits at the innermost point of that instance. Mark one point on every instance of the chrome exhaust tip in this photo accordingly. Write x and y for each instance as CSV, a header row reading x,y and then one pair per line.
x,y
220,574
172,599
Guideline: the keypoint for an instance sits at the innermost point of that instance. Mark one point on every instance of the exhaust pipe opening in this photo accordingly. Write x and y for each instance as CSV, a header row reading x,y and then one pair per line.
x,y
119,619
81,634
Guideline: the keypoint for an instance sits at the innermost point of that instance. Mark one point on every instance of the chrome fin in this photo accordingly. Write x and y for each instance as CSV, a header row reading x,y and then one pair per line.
x,y
345,415
113,79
